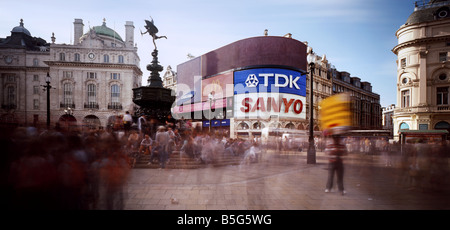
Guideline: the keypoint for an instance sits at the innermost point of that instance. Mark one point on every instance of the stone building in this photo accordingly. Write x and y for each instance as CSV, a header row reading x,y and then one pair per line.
x,y
423,69
170,79
365,104
91,79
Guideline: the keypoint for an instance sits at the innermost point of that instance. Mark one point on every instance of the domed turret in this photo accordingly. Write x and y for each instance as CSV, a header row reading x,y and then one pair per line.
x,y
426,12
21,29
106,31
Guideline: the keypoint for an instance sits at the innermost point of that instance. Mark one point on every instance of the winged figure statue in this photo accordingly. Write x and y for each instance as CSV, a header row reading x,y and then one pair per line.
x,y
152,30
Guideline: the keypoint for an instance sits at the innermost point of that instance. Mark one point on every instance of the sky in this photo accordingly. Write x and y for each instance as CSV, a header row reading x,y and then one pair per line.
x,y
356,36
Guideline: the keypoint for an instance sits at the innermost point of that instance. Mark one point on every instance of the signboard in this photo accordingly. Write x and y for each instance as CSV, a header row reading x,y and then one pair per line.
x,y
263,105
220,86
217,123
335,112
269,80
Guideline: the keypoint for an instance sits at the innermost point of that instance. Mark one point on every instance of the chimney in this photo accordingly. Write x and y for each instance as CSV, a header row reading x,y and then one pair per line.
x,y
129,34
78,30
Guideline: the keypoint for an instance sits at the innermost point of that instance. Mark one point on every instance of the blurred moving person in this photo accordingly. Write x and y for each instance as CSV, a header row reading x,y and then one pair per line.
x,y
335,150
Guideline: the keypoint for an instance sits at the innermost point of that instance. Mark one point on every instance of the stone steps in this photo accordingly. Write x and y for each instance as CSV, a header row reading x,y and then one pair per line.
x,y
177,161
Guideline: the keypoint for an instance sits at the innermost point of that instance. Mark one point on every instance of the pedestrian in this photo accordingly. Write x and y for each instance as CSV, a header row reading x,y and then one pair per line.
x,y
127,121
146,145
162,140
335,150
142,125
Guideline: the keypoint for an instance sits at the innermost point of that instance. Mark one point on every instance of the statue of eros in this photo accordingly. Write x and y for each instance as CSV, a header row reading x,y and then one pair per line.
x,y
152,30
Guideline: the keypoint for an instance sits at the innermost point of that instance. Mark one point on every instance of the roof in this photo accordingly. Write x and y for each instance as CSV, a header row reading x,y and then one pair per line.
x,y
428,12
437,132
21,29
106,31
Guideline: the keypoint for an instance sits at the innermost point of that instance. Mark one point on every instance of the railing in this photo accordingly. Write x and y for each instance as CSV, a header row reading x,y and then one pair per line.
x,y
91,105
115,105
424,109
67,105
9,106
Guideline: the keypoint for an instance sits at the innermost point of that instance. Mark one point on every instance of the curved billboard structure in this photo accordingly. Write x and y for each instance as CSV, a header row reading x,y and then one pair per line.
x,y
259,79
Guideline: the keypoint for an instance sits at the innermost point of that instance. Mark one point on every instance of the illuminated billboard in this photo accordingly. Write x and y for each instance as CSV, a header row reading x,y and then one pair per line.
x,y
265,105
270,80
265,92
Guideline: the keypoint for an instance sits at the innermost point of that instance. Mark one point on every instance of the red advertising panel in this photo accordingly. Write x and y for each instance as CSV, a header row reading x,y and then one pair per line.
x,y
218,87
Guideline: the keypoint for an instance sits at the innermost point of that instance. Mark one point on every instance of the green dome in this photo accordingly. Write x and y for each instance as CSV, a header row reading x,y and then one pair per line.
x,y
106,31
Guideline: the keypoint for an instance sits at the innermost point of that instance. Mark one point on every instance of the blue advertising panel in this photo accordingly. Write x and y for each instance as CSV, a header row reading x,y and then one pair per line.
x,y
271,80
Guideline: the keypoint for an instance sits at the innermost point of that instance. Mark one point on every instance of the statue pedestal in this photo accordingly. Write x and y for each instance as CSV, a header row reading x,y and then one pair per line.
x,y
154,100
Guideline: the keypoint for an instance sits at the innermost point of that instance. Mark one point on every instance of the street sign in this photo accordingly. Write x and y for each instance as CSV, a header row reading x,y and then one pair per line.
x,y
335,113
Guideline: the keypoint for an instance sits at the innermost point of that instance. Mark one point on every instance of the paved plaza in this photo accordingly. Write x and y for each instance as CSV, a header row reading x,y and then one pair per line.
x,y
282,182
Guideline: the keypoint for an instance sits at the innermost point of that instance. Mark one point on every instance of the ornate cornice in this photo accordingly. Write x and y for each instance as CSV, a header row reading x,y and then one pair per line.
x,y
24,68
419,42
94,65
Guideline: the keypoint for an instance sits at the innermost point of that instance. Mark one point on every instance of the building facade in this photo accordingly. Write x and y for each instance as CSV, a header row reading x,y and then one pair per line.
x,y
250,91
170,79
423,69
365,104
388,112
91,79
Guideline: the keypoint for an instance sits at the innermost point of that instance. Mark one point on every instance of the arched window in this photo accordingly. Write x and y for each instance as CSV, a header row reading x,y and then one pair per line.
x,y
442,125
258,125
120,58
243,126
290,126
77,57
403,125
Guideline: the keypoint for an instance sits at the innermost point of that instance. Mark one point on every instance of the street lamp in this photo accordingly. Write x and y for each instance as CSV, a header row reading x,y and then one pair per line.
x,y
311,154
210,99
47,88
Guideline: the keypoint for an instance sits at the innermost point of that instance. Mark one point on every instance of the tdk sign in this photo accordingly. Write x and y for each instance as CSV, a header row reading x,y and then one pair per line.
x,y
269,80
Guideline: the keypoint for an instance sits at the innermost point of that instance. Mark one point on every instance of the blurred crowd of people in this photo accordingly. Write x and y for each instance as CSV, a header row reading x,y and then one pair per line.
x,y
55,170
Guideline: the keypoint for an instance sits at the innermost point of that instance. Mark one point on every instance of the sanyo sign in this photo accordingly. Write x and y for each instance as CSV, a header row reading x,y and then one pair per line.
x,y
261,93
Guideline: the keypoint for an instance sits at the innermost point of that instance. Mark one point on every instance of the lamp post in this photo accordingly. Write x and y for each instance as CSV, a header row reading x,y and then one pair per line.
x,y
210,99
47,88
311,154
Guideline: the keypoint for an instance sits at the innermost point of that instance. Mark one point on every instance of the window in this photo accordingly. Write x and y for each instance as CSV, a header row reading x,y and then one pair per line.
x,y
120,58
91,75
67,94
11,95
115,76
67,74
442,96
62,56
423,126
405,98
403,125
115,93
36,89
35,77
403,62
443,77
442,56
91,93
35,62
11,78
35,103
77,57
106,58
